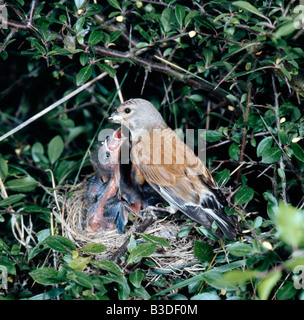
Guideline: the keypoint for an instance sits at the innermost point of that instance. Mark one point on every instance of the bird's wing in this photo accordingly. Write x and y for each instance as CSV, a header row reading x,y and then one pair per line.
x,y
173,167
185,183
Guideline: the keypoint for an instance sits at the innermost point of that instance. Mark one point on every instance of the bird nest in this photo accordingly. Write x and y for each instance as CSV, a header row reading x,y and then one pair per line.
x,y
174,260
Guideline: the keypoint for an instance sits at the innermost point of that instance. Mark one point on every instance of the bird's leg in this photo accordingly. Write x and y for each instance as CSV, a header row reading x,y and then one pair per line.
x,y
170,209
152,209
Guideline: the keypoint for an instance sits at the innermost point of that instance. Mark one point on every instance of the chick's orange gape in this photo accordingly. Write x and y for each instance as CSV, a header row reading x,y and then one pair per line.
x,y
172,169
106,208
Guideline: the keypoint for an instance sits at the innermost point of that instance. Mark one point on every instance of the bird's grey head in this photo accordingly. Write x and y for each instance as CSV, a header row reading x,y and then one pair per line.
x,y
138,114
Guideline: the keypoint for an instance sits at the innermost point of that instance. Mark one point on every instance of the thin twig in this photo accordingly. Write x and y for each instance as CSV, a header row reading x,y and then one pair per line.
x,y
281,161
8,38
185,76
33,5
118,88
245,128
53,106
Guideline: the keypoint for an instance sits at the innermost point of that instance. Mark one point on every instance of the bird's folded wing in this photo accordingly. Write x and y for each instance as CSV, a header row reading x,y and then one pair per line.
x,y
185,177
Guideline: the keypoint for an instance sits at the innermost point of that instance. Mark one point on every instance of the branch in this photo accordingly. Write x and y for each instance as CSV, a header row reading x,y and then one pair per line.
x,y
33,6
218,95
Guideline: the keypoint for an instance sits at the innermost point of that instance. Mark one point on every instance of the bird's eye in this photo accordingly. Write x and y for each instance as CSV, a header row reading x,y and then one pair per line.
x,y
108,154
127,110
107,138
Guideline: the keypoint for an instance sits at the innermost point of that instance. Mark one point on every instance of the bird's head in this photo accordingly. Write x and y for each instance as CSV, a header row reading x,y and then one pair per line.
x,y
109,152
137,114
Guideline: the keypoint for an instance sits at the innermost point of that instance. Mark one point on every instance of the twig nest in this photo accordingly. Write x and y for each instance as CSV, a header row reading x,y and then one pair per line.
x,y
172,259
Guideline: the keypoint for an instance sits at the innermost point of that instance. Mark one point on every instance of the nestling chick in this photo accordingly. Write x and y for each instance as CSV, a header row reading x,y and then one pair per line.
x,y
172,169
107,211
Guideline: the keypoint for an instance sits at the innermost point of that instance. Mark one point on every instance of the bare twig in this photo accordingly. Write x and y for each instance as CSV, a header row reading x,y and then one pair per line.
x,y
8,38
245,129
182,75
281,161
53,106
33,5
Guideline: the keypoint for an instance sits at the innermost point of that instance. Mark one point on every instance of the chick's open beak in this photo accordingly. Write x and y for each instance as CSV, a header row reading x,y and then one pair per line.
x,y
115,117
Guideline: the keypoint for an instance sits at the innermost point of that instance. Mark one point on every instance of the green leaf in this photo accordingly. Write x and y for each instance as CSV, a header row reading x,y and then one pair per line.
x,y
60,244
36,209
132,243
240,249
285,30
83,75
272,205
22,185
11,199
222,177
109,266
264,145
141,292
287,292
191,16
206,296
234,151
79,3
203,251
196,97
45,276
4,247
156,240
283,137
38,152
81,278
243,195
3,169
79,263
248,7
298,151
55,149
229,280
48,295
115,35
272,155
267,284
94,248
83,59
142,250
290,225
10,267
115,4
106,68
168,20
95,37
136,278
180,14
211,135
257,222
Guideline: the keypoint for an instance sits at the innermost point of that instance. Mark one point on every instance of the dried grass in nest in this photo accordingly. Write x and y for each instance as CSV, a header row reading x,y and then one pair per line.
x,y
177,259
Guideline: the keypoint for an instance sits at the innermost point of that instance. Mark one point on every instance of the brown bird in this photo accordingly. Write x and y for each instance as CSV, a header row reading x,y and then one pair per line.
x,y
172,168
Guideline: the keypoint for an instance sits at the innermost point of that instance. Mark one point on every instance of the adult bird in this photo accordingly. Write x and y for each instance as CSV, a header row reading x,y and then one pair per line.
x,y
172,168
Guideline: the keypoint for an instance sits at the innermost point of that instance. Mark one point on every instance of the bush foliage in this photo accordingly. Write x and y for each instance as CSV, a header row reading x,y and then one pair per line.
x,y
233,68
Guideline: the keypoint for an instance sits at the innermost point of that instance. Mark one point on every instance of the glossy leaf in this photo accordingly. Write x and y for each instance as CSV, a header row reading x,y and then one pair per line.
x,y
243,195
142,250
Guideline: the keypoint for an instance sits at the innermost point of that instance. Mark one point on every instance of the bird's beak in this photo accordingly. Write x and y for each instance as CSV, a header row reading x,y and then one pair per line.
x,y
115,117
